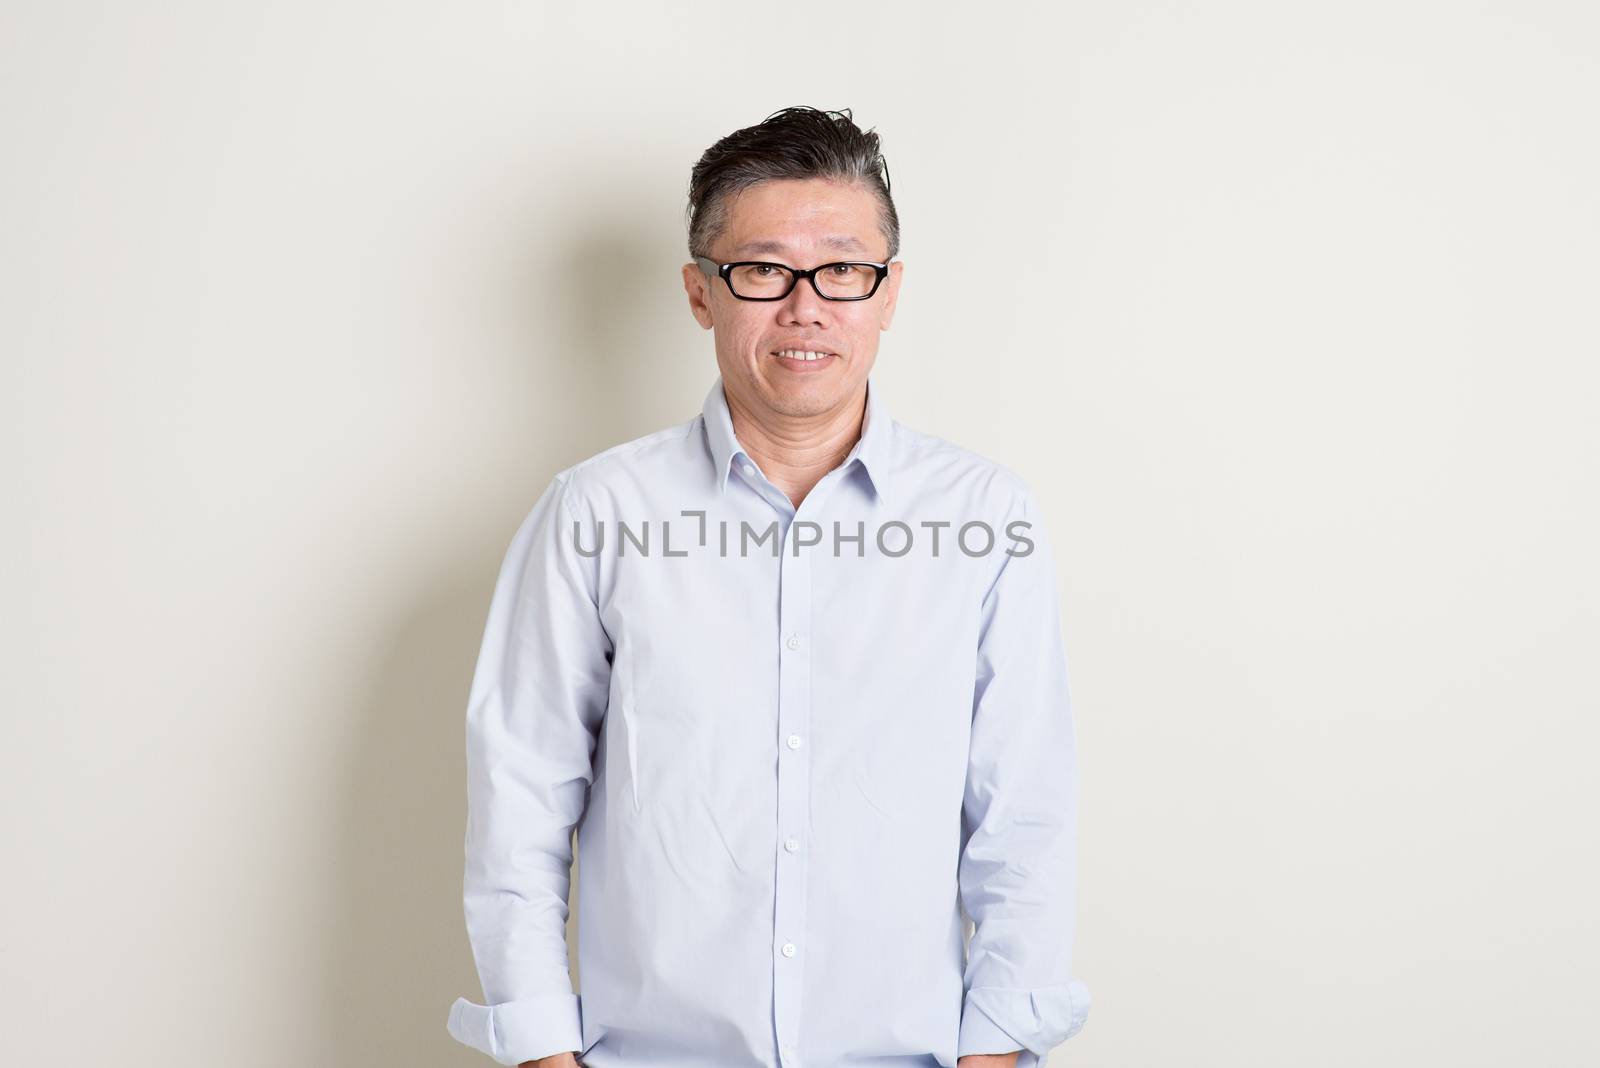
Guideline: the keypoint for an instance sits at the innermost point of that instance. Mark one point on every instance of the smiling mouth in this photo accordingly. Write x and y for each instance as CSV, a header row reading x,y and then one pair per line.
x,y
803,355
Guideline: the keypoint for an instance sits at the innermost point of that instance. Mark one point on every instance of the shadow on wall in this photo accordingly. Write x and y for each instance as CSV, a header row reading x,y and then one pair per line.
x,y
603,349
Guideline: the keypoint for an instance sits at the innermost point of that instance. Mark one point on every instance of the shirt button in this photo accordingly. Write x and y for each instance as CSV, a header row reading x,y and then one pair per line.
x,y
794,741
748,469
791,844
794,641
788,949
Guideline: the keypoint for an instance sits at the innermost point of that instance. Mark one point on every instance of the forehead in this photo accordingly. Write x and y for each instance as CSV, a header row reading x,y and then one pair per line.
x,y
814,215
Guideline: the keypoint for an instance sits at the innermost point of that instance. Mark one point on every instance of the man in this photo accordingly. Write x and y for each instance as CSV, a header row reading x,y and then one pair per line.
x,y
794,674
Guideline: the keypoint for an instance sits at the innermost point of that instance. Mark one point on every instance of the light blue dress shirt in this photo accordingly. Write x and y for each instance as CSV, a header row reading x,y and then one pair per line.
x,y
801,748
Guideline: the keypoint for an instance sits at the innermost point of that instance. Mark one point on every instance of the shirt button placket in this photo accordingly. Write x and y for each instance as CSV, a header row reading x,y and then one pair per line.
x,y
794,725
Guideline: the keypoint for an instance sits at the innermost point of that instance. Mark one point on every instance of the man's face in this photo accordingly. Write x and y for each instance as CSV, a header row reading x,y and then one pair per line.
x,y
799,224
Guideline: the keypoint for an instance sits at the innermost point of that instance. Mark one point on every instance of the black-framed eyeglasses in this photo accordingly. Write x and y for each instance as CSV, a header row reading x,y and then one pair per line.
x,y
764,280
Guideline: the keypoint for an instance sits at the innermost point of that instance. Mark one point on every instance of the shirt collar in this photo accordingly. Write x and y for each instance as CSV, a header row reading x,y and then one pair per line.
x,y
871,449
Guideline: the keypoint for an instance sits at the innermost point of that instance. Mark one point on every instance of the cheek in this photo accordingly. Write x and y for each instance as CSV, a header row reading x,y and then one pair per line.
x,y
748,338
863,327
740,347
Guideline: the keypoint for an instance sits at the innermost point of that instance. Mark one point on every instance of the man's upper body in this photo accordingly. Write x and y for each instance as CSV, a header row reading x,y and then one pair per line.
x,y
794,674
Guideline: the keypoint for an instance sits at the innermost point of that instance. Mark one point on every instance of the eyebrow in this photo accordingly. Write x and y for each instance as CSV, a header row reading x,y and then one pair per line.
x,y
839,241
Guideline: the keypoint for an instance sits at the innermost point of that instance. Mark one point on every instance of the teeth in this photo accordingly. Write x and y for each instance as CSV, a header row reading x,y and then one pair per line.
x,y
797,354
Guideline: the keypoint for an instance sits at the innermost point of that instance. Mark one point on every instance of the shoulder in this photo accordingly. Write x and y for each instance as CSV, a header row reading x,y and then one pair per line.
x,y
973,475
641,460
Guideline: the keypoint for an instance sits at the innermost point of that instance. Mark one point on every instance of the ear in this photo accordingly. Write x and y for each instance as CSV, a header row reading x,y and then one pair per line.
x,y
891,295
695,285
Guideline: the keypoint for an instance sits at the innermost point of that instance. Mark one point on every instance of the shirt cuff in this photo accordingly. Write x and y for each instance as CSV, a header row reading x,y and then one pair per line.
x,y
523,1030
1039,1020
980,1034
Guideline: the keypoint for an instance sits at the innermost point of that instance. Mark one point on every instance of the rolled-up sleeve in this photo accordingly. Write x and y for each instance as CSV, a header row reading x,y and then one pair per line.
x,y
533,717
1018,864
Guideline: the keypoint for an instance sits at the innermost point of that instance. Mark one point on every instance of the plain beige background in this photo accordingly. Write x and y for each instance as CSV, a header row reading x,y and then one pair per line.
x,y
301,304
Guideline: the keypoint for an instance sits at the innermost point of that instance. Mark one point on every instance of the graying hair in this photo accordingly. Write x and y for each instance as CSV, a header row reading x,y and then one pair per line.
x,y
795,143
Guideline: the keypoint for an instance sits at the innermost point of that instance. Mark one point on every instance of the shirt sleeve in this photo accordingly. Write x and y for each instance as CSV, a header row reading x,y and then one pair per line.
x,y
1018,867
538,694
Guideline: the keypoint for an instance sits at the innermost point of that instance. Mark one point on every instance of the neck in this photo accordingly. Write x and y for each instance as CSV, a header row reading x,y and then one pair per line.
x,y
795,452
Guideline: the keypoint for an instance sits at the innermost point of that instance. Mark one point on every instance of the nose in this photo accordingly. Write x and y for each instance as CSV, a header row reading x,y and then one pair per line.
x,y
803,305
